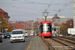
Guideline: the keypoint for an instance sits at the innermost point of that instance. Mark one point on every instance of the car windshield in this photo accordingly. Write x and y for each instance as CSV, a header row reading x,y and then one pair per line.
x,y
17,32
25,32
1,34
46,27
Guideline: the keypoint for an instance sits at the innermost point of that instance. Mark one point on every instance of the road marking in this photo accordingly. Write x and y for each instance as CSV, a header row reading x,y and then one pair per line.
x,y
4,42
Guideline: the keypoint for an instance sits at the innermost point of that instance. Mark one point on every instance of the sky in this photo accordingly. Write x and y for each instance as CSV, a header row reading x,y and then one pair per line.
x,y
32,9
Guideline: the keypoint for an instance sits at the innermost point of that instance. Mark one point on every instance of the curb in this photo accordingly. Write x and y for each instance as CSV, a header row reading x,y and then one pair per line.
x,y
30,43
44,43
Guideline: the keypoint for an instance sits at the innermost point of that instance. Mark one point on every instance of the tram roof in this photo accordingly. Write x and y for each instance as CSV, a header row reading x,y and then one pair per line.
x,y
45,21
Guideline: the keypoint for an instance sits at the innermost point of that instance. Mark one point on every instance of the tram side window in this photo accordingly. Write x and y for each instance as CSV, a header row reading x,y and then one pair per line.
x,y
50,28
41,28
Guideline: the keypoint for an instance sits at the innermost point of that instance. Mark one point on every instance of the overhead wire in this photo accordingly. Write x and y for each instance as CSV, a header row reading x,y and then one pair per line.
x,y
49,5
26,12
61,9
21,2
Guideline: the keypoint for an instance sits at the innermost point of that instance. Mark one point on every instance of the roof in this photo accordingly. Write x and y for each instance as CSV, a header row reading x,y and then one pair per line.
x,y
18,26
45,21
5,14
2,10
18,30
56,17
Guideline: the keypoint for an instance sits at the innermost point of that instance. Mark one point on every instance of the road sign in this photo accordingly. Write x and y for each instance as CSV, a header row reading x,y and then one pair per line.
x,y
6,29
54,27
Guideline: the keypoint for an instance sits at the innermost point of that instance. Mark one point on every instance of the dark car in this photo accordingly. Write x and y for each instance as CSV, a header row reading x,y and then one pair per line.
x,y
0,37
7,35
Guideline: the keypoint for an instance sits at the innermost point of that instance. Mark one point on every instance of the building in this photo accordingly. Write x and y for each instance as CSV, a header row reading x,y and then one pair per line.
x,y
18,26
55,19
74,12
27,25
5,14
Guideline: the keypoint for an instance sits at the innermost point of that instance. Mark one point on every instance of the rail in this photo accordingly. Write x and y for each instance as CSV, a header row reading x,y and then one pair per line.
x,y
73,48
50,45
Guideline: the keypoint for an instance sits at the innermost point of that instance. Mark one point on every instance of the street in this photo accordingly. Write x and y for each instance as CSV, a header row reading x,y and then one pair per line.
x,y
6,45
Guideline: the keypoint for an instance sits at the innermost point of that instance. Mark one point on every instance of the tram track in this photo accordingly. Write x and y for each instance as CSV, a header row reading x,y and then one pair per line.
x,y
51,47
58,44
66,37
67,40
64,43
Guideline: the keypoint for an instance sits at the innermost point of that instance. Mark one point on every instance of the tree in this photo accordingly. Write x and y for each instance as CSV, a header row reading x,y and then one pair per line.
x,y
10,28
4,23
64,27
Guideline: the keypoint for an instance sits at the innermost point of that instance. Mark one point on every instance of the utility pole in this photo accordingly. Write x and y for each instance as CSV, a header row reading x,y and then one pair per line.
x,y
74,12
32,28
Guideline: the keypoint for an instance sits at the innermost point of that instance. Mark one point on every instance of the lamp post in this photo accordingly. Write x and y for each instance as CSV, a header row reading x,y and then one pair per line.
x,y
45,14
0,25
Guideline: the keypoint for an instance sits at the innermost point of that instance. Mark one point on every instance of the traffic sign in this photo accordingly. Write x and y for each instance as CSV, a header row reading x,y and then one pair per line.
x,y
54,27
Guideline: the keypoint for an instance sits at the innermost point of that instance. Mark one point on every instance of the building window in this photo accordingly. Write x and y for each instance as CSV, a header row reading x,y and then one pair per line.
x,y
14,26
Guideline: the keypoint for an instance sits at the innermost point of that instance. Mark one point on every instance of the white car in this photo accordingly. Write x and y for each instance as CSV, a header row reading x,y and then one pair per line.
x,y
25,34
17,35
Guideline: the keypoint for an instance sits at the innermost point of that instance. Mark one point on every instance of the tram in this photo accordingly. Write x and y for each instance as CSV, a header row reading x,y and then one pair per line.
x,y
46,28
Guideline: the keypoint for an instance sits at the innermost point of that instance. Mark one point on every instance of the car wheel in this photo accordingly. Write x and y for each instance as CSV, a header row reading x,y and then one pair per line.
x,y
11,42
5,37
24,41
1,41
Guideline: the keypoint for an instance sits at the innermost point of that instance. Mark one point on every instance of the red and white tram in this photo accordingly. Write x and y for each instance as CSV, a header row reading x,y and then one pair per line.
x,y
46,28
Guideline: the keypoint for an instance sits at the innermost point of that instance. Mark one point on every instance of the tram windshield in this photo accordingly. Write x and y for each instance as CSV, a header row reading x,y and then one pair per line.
x,y
46,27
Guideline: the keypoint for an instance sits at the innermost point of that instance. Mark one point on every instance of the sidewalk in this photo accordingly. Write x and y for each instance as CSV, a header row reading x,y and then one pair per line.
x,y
37,44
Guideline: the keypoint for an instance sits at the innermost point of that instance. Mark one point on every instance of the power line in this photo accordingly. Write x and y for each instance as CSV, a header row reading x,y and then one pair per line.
x,y
61,9
49,5
23,12
21,2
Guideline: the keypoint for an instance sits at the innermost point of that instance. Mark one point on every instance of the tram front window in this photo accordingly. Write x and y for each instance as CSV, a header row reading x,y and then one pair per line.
x,y
46,27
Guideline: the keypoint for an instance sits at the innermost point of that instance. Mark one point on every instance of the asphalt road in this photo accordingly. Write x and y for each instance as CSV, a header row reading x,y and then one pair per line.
x,y
6,45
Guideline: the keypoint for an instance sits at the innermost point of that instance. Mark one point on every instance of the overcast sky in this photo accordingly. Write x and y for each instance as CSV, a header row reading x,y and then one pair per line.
x,y
32,9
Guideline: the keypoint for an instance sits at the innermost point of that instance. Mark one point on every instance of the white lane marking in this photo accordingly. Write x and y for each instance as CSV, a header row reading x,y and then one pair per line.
x,y
4,42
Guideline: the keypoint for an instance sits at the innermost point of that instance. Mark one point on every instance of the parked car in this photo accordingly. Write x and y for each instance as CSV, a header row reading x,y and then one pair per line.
x,y
25,34
17,35
31,35
7,35
0,37
60,35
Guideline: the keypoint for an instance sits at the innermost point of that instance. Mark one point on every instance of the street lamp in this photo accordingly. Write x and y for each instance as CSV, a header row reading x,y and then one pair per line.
x,y
45,14
0,25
